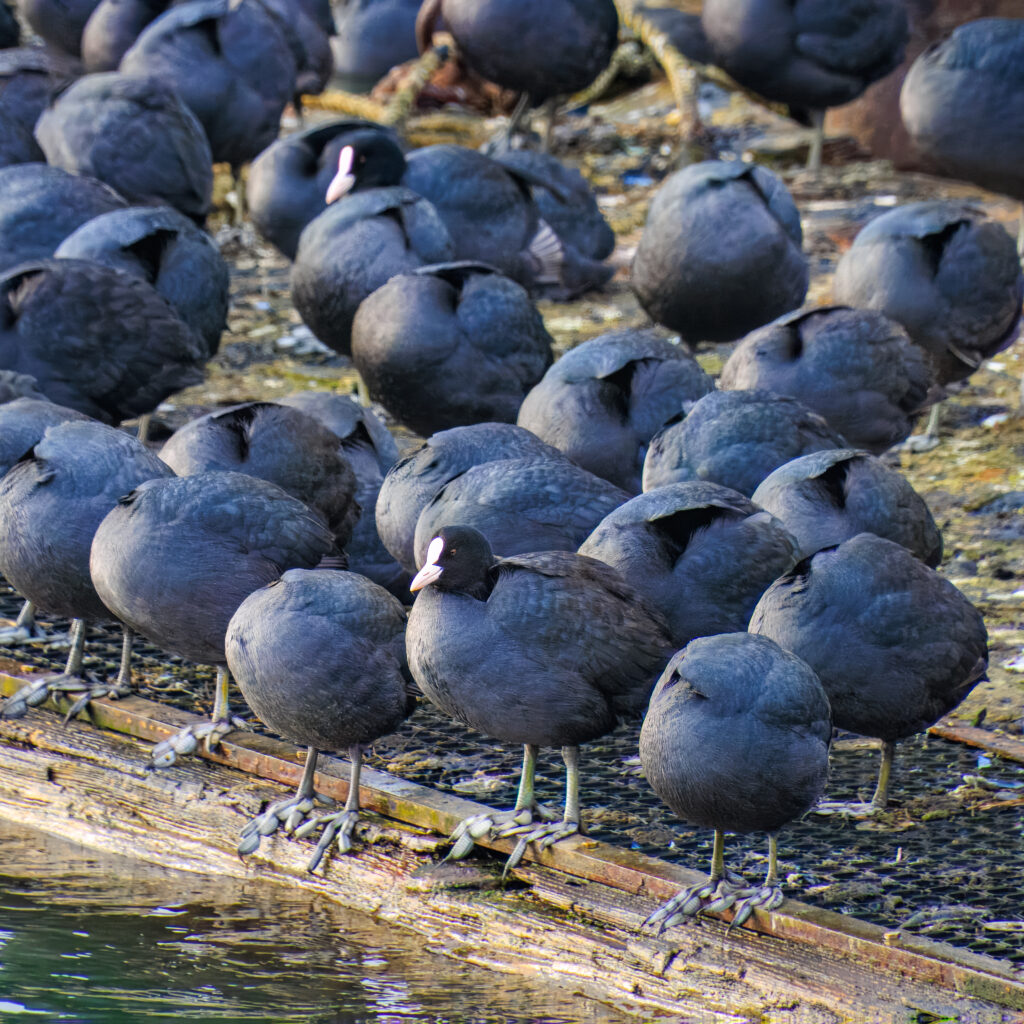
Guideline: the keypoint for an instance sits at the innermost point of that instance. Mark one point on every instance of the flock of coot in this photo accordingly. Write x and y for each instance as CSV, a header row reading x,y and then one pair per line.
x,y
572,529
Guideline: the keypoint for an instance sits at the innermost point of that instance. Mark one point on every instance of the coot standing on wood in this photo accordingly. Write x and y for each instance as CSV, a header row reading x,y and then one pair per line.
x,y
543,649
736,739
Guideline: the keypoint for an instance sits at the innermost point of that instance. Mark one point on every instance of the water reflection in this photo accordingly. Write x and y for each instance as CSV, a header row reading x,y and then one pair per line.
x,y
87,938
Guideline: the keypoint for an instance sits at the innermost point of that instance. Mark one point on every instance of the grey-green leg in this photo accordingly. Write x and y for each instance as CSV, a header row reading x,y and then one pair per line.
x,y
817,142
930,438
338,828
518,113
70,681
858,809
503,823
290,811
120,687
769,895
166,752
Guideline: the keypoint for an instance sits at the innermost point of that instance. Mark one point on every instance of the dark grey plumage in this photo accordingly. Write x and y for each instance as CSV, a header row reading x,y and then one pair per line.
x,y
176,557
735,438
737,734
449,345
541,49
564,200
856,368
29,76
275,443
373,37
229,62
371,451
309,43
962,104
17,143
97,339
413,480
895,645
809,54
356,245
113,27
134,134
720,253
41,205
51,503
288,181
700,553
166,249
23,421
829,496
944,271
604,400
548,648
18,385
531,503
320,657
492,218
10,30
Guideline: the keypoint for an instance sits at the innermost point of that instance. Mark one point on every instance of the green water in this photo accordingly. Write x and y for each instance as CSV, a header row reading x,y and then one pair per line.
x,y
88,938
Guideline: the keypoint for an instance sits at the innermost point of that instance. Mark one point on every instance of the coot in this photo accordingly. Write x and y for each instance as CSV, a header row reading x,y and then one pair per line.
x,y
720,253
855,367
373,37
58,22
276,443
544,649
51,502
735,438
736,739
449,345
320,658
809,54
134,134
829,496
356,245
700,553
97,339
166,249
176,557
895,645
113,27
604,400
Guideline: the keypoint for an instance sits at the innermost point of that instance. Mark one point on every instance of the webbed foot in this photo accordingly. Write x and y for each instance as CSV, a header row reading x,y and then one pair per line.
x,y
544,835
855,809
166,752
497,825
713,895
767,897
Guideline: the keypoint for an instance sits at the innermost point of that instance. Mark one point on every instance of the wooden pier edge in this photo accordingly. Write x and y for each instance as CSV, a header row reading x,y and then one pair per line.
x,y
577,923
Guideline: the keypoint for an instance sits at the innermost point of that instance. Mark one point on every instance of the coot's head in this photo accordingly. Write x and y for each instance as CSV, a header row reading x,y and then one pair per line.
x,y
369,159
458,558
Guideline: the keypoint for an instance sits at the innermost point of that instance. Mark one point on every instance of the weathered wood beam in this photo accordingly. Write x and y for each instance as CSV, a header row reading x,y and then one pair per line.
x,y
644,881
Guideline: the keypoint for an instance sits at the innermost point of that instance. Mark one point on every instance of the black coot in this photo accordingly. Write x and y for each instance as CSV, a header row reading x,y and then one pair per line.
x,y
134,134
175,558
59,23
29,77
320,658
17,143
604,400
113,27
720,253
97,339
415,479
855,367
373,37
277,443
289,180
229,62
829,496
543,649
51,502
531,503
41,205
809,54
449,345
371,451
962,104
736,739
356,245
735,438
895,645
166,249
700,553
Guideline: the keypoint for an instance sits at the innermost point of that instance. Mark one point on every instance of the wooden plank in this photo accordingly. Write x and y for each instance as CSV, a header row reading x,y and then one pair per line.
x,y
96,788
994,742
908,957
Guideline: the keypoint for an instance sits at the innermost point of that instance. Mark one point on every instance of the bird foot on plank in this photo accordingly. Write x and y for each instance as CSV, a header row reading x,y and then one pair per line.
x,y
34,634
544,835
290,813
497,825
166,752
855,809
714,895
766,897
339,830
